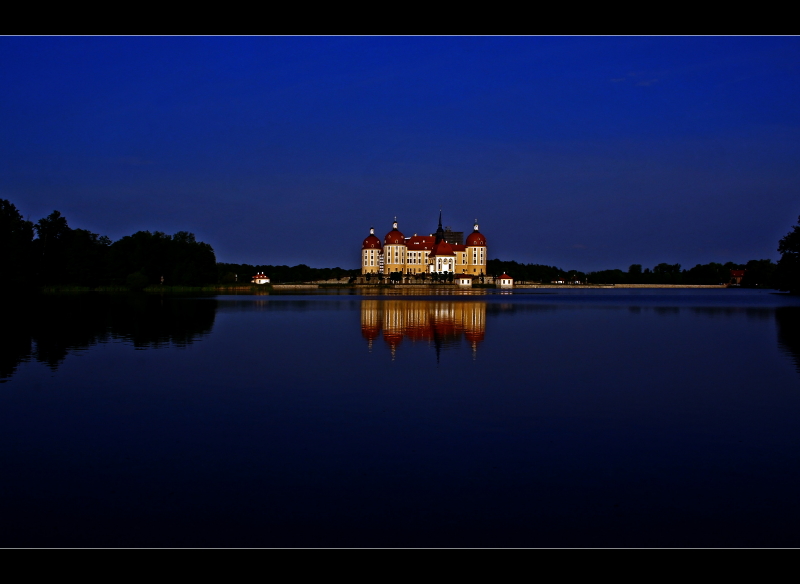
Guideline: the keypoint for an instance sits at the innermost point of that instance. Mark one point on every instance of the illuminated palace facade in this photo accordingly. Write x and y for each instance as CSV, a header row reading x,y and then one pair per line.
x,y
424,253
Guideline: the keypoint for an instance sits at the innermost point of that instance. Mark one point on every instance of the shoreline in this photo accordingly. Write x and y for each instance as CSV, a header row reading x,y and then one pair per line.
x,y
612,286
267,288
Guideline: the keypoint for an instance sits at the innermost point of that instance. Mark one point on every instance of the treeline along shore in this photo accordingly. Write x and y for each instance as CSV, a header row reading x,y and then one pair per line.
x,y
49,253
758,274
228,274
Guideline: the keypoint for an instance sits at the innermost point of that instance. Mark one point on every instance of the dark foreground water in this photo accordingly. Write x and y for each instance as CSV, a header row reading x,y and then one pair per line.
x,y
603,418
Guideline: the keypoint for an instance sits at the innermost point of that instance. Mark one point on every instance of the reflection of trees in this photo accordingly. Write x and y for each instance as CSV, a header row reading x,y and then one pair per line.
x,y
788,319
442,324
48,327
728,311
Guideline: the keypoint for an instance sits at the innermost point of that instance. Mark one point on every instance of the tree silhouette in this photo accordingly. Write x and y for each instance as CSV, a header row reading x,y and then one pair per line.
x,y
16,239
787,272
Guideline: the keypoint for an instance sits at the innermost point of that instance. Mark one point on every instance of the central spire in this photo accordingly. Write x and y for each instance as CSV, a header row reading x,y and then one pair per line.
x,y
439,230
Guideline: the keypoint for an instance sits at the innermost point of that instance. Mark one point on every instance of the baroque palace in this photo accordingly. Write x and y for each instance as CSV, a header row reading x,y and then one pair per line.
x,y
442,252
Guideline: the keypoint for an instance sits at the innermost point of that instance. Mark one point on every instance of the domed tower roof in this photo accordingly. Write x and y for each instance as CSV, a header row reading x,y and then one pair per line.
x,y
372,241
476,237
393,338
370,331
474,335
394,237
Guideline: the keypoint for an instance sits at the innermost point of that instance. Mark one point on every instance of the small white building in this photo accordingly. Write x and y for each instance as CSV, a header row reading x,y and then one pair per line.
x,y
505,281
464,280
260,278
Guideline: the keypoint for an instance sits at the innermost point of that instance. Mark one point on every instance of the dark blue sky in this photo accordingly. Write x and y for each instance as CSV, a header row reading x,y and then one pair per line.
x,y
586,153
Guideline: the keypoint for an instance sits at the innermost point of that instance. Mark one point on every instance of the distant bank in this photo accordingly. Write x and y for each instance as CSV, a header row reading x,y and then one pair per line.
x,y
267,288
622,286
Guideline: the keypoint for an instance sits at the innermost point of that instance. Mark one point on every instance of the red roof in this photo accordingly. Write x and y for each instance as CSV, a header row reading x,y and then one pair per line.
x,y
393,337
441,249
423,242
370,332
737,273
506,277
394,237
476,238
371,242
476,336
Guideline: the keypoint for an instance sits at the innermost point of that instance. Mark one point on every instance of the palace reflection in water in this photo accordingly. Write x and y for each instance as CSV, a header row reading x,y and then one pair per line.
x,y
439,323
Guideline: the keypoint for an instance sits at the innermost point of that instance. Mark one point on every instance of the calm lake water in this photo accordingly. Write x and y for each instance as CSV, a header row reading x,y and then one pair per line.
x,y
569,418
